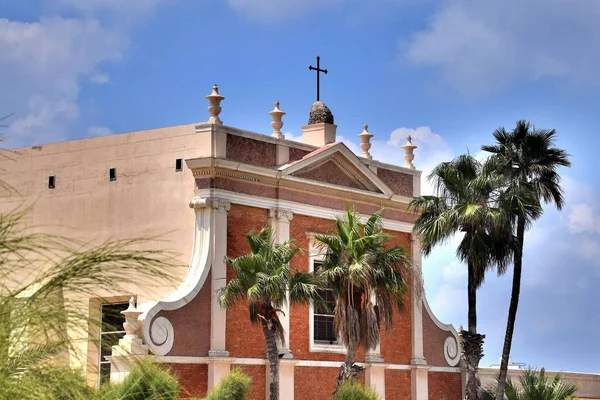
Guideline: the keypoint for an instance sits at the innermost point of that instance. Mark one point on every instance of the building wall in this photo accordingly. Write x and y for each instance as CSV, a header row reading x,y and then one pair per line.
x,y
243,339
445,385
589,384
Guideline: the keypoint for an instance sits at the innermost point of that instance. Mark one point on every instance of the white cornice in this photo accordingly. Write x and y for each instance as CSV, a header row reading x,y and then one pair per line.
x,y
203,163
297,208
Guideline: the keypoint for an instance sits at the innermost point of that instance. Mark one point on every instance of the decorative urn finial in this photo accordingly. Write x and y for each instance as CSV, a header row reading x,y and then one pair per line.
x,y
277,123
215,106
365,142
408,153
131,324
320,113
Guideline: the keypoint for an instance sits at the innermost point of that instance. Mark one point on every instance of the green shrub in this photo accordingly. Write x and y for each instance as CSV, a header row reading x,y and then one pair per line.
x,y
234,386
146,380
48,383
355,391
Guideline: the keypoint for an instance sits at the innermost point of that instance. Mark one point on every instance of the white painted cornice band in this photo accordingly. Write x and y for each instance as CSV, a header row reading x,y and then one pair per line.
x,y
296,208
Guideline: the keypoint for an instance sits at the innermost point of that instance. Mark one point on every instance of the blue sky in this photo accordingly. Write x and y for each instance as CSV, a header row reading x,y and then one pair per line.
x,y
448,72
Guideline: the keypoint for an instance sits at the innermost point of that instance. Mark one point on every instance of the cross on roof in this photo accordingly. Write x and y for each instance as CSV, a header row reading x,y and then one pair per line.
x,y
319,70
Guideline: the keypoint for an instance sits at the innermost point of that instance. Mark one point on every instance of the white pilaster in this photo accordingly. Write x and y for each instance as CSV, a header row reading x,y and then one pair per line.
x,y
280,223
218,314
282,154
375,377
286,379
217,369
419,384
419,372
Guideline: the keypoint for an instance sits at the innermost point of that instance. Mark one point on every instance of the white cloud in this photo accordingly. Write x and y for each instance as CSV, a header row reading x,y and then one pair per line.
x,y
583,218
454,272
291,136
276,10
41,64
98,131
431,150
44,62
99,78
478,46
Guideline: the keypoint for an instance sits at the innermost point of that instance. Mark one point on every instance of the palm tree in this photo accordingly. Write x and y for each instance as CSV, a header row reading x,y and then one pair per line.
x,y
466,202
263,279
535,385
366,279
527,159
44,279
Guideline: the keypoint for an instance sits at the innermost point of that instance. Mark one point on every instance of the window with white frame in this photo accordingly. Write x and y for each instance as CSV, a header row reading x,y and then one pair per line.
x,y
323,330
111,330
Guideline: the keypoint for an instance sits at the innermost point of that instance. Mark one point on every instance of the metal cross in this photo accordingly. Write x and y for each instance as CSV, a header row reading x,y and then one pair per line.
x,y
319,70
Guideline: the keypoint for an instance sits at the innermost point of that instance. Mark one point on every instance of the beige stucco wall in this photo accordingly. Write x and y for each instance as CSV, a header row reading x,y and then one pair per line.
x,y
148,198
589,384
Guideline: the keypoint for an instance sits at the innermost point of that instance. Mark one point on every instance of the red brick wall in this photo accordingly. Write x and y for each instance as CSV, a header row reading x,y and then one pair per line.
x,y
397,384
257,373
330,173
433,342
192,325
400,183
316,383
243,339
193,379
251,151
445,386
300,225
297,154
396,343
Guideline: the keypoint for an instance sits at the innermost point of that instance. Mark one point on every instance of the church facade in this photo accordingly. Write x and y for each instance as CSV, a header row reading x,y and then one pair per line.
x,y
204,186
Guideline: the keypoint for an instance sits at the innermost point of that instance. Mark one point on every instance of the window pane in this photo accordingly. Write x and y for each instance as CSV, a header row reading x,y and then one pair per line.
x,y
107,341
324,329
104,373
112,319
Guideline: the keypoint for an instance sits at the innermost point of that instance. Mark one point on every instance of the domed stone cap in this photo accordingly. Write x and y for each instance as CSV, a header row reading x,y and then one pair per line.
x,y
320,113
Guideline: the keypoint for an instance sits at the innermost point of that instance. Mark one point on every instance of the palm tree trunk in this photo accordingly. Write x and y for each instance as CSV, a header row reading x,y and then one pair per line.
x,y
273,357
347,371
512,310
472,342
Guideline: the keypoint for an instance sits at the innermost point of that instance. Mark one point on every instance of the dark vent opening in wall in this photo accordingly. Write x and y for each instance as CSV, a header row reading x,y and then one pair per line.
x,y
112,174
51,182
179,164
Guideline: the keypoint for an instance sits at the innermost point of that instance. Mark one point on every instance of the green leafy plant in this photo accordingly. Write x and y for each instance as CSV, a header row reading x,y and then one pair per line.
x,y
528,162
466,202
262,279
366,278
234,386
535,385
354,391
146,380
46,282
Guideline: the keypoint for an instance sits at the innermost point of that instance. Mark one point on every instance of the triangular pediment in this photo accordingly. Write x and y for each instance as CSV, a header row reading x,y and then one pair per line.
x,y
335,164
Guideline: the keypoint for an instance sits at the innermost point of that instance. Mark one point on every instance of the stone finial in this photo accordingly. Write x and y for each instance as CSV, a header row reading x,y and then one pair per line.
x,y
408,153
320,113
277,123
215,106
365,142
131,323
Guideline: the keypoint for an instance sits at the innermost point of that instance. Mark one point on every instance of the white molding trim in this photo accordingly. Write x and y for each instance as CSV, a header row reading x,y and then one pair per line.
x,y
454,370
452,348
296,208
216,162
296,362
158,333
315,347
